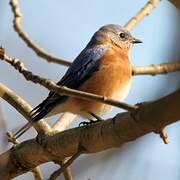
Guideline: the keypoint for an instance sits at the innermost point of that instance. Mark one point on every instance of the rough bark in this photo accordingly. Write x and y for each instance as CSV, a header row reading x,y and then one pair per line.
x,y
124,127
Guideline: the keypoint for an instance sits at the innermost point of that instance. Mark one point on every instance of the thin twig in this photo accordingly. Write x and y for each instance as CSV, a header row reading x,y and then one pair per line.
x,y
36,171
67,171
67,174
63,122
64,166
164,136
22,34
12,139
2,120
60,125
149,6
163,68
50,58
2,130
49,84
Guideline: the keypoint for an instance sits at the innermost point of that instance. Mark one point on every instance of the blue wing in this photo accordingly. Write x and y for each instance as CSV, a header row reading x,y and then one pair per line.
x,y
81,69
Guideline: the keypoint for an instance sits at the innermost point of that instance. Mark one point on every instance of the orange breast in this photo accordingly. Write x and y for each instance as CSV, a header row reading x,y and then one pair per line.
x,y
111,80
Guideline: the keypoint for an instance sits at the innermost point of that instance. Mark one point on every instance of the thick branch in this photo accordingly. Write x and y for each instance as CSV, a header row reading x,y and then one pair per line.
x,y
36,171
176,3
124,127
22,34
149,6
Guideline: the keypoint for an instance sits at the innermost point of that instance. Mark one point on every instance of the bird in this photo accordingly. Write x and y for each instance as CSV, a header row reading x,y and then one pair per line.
x,y
103,68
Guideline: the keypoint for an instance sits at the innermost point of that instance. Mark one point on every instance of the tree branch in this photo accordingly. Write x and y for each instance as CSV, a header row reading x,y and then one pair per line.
x,y
64,121
67,174
149,6
2,120
22,34
22,107
50,58
49,84
36,171
163,68
3,129
176,3
124,127
65,166
151,70
52,86
60,125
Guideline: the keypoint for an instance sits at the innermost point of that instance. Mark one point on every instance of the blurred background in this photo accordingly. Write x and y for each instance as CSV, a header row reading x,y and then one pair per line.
x,y
63,28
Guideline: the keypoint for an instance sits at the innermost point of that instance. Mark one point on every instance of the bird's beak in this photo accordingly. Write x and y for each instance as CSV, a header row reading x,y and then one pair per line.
x,y
135,41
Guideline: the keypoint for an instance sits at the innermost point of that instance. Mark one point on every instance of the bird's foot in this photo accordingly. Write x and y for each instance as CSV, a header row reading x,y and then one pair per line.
x,y
98,119
88,123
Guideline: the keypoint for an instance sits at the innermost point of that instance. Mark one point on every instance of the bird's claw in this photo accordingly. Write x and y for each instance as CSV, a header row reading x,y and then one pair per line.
x,y
86,123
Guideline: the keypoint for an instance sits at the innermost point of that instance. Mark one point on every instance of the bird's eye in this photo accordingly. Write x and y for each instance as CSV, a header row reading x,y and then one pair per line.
x,y
122,35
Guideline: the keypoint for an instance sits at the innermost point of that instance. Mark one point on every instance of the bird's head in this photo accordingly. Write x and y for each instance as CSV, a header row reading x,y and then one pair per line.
x,y
116,35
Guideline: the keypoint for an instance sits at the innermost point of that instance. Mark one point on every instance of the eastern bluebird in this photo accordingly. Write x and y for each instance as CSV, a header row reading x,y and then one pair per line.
x,y
103,68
